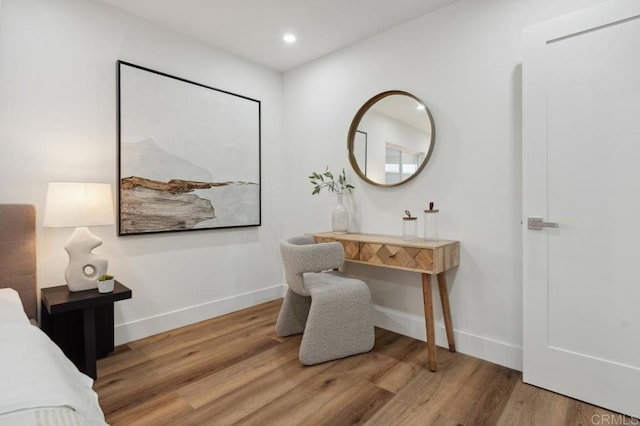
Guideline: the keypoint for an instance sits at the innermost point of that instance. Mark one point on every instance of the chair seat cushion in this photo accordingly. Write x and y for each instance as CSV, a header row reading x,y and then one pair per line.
x,y
333,282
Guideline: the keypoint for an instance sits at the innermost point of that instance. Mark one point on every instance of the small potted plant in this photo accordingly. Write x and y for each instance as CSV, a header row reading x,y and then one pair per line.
x,y
105,283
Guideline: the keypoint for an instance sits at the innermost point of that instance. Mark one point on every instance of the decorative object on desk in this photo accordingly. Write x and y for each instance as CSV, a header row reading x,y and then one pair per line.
x,y
189,154
340,217
340,214
105,283
409,227
431,223
79,205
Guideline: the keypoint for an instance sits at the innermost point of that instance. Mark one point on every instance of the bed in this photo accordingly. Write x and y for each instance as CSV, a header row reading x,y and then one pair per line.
x,y
38,384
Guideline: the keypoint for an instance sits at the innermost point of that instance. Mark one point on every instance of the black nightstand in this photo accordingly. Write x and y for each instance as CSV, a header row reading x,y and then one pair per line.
x,y
81,322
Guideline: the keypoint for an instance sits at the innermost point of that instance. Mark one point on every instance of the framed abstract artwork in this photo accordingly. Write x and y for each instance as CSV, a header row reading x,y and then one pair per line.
x,y
188,154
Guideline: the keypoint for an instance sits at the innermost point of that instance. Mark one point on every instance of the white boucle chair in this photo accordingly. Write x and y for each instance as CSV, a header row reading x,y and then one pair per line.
x,y
331,310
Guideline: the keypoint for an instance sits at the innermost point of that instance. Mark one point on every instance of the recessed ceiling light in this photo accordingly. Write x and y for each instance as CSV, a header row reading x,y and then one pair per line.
x,y
289,38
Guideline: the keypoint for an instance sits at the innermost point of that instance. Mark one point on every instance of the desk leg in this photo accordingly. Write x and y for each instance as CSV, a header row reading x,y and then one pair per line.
x,y
89,342
428,319
446,310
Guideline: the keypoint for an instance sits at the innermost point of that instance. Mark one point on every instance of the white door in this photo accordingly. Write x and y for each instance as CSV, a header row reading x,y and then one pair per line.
x,y
581,160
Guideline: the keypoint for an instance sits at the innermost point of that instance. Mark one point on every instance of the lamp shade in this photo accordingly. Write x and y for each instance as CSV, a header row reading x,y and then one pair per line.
x,y
71,204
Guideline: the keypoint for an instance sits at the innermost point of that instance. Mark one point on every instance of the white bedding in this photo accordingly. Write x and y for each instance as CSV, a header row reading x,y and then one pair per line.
x,y
35,374
11,307
50,416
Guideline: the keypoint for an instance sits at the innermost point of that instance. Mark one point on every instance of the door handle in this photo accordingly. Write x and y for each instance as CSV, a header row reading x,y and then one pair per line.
x,y
537,224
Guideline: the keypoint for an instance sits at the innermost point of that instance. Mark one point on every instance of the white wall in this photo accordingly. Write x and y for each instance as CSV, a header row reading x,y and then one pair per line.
x,y
464,61
57,122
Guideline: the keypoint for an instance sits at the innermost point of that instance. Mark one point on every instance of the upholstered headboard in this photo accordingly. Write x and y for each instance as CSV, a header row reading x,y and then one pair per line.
x,y
18,253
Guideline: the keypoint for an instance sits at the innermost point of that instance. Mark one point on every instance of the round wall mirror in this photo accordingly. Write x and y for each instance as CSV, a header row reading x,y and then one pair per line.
x,y
391,138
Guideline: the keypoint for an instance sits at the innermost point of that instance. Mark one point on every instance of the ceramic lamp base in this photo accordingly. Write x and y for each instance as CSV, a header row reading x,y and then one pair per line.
x,y
84,267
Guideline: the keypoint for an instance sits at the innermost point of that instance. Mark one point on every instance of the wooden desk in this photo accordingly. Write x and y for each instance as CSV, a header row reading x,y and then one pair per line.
x,y
426,257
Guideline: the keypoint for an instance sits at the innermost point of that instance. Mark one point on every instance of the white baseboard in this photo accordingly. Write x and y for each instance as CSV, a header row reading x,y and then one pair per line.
x,y
480,347
145,327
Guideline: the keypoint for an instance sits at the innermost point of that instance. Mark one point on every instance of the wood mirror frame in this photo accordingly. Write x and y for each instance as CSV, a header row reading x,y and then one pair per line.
x,y
354,129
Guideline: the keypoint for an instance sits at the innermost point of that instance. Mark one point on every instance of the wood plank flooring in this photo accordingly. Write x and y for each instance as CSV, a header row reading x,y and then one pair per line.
x,y
235,370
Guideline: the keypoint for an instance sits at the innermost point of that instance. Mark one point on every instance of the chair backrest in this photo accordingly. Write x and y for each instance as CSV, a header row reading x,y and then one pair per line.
x,y
301,254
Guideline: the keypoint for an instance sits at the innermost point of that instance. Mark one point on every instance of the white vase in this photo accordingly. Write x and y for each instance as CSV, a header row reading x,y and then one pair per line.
x,y
340,217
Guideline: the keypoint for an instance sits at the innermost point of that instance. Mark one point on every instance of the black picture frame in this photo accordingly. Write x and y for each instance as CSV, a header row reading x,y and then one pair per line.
x,y
189,155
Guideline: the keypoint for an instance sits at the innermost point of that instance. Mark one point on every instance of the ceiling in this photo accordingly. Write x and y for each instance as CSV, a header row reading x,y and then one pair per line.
x,y
253,29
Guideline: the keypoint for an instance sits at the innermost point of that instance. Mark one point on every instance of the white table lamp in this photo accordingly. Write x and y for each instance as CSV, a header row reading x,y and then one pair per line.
x,y
79,205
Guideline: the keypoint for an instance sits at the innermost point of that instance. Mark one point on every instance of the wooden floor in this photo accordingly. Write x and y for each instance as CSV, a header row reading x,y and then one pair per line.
x,y
235,370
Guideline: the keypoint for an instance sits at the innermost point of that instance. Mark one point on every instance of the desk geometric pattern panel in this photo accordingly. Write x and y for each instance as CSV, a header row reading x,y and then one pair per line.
x,y
351,249
408,257
402,257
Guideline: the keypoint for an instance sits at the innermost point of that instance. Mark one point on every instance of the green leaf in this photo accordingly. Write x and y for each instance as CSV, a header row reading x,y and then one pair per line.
x,y
326,179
